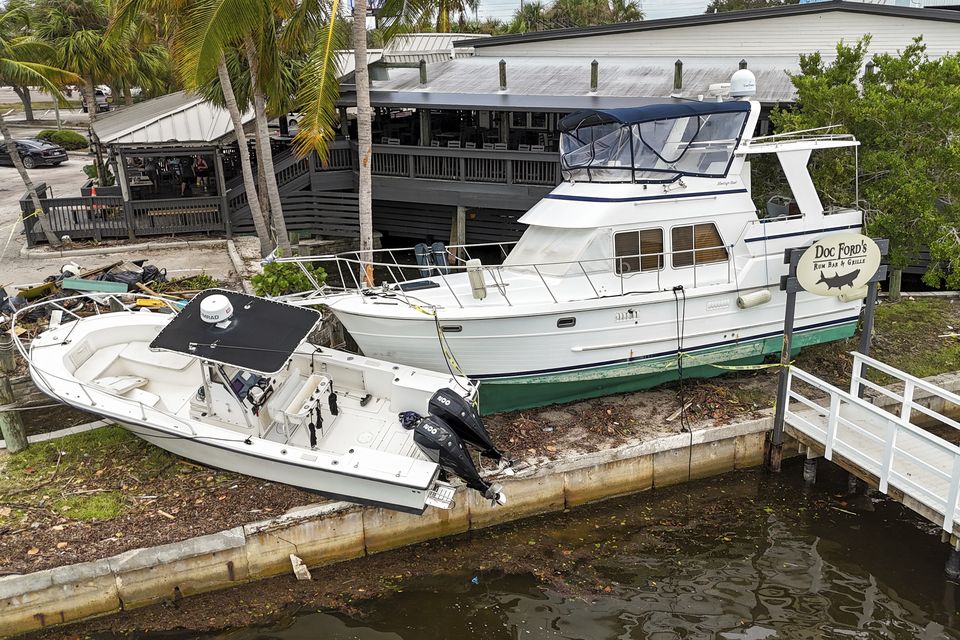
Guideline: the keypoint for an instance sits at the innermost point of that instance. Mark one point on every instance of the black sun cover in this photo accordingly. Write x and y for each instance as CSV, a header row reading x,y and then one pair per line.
x,y
261,336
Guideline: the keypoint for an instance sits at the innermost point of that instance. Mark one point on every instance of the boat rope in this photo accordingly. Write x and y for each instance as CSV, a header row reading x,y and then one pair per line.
x,y
449,359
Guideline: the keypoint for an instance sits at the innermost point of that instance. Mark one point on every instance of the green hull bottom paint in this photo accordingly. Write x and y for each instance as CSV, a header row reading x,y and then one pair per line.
x,y
509,394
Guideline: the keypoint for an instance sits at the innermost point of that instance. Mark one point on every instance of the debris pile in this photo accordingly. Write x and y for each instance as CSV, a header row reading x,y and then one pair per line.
x,y
85,291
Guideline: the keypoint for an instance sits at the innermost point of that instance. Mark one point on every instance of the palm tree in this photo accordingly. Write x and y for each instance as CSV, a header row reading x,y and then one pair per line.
x,y
76,32
249,182
16,66
447,8
625,11
364,138
212,28
166,16
15,23
529,17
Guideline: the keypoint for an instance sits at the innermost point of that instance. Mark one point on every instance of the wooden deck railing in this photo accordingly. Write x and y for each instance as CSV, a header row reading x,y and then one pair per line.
x,y
539,168
110,217
83,218
182,215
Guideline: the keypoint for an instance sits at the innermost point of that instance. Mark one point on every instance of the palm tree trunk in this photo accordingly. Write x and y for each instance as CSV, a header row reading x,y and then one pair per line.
x,y
262,197
24,94
90,95
364,137
28,183
249,183
127,94
263,149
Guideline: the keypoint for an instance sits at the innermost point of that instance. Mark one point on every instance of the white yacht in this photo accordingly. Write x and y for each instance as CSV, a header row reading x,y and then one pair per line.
x,y
650,253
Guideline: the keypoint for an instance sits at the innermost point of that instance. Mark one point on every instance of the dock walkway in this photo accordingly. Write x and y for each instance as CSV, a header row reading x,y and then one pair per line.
x,y
887,447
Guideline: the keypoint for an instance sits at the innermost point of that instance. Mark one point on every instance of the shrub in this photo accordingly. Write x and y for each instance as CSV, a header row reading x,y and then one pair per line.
x,y
66,138
282,278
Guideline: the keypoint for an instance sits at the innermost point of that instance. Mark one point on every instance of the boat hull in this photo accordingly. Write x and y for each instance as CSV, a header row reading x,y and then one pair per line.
x,y
524,392
329,484
529,360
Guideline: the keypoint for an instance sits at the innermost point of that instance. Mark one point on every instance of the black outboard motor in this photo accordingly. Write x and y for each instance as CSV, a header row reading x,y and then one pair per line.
x,y
441,444
460,415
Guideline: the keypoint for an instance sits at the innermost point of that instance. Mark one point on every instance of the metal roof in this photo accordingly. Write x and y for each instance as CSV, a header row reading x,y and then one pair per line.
x,y
925,13
347,62
432,47
179,116
636,115
563,84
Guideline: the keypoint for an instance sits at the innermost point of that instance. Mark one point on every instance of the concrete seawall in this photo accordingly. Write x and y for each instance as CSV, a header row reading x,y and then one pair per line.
x,y
323,534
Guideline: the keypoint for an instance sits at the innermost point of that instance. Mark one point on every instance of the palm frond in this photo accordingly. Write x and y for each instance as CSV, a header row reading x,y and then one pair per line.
x,y
34,74
208,28
319,90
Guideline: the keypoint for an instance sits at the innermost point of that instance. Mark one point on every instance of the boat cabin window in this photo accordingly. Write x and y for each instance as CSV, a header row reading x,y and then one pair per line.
x,y
638,251
697,244
659,150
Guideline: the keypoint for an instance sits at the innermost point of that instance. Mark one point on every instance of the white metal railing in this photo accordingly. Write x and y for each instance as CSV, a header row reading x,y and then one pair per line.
x,y
94,395
883,443
348,265
803,134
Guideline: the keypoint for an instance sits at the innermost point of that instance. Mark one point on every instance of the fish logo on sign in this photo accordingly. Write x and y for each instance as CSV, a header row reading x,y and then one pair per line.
x,y
840,264
838,281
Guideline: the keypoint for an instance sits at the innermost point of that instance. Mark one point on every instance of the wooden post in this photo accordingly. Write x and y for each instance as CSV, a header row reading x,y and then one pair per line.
x,y
344,123
896,277
458,229
425,133
773,449
11,425
594,76
678,75
222,188
122,180
503,75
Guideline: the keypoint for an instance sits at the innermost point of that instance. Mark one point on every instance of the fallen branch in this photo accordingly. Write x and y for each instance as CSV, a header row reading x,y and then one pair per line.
x,y
676,414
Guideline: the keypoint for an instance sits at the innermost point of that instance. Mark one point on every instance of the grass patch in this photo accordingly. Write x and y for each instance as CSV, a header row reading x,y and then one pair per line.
x,y
907,335
98,506
79,477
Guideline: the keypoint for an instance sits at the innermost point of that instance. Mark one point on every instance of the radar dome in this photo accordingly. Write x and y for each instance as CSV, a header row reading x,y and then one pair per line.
x,y
216,309
743,84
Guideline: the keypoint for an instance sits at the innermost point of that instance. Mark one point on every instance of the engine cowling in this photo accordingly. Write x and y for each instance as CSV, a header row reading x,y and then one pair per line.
x,y
441,443
461,416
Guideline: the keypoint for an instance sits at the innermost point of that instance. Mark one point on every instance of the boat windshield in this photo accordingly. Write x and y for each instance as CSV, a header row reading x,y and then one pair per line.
x,y
653,151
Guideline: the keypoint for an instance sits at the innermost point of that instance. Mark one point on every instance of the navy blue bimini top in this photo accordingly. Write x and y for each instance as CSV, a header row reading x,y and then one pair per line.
x,y
636,115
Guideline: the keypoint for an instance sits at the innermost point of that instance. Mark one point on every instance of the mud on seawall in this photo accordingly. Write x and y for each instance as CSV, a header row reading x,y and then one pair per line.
x,y
328,533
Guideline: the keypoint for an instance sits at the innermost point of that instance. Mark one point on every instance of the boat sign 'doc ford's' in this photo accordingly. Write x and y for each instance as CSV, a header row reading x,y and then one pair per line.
x,y
650,252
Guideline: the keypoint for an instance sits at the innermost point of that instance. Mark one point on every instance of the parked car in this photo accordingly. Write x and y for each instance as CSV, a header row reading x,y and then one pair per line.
x,y
35,153
100,97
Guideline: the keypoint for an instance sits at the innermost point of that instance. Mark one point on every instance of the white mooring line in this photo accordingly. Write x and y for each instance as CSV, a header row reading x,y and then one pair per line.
x,y
884,442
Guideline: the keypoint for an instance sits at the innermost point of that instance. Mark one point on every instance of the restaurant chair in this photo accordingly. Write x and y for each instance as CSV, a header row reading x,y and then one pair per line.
x,y
393,140
536,147
524,147
488,145
434,143
470,145
453,144
384,139
500,146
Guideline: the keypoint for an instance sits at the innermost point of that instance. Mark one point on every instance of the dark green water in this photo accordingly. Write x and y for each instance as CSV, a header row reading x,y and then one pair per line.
x,y
745,556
